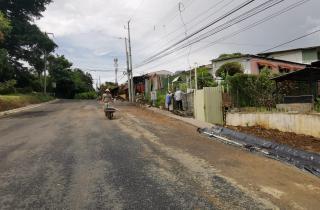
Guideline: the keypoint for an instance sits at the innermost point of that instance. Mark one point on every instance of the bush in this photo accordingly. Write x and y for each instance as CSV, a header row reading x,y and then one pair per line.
x,y
161,100
24,90
317,105
86,95
230,68
252,90
8,87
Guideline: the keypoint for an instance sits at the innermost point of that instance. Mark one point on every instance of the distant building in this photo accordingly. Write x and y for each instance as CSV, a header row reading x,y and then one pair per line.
x,y
253,64
299,55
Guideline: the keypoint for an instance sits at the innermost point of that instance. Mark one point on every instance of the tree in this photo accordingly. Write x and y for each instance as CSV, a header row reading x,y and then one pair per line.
x,y
26,41
5,27
69,81
232,55
205,78
24,9
230,68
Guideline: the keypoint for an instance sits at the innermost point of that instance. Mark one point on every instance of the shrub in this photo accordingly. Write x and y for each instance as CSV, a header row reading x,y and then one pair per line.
x,y
230,68
86,95
317,105
8,87
24,90
252,90
161,100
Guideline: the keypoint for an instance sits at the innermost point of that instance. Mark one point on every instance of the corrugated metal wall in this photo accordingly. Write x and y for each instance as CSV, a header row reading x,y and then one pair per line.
x,y
199,112
208,105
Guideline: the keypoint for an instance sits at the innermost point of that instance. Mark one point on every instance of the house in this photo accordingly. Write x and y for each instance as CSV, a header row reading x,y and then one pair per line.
x,y
253,64
154,81
306,55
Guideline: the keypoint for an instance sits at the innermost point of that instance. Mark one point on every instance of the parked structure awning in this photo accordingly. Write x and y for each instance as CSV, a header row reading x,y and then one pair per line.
x,y
309,74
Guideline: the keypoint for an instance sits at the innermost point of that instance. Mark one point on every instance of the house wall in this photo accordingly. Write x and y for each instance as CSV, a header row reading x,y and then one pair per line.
x,y
307,124
292,56
310,55
274,65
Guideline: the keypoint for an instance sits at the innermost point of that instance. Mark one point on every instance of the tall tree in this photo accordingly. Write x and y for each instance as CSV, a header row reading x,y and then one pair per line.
x,y
5,27
26,41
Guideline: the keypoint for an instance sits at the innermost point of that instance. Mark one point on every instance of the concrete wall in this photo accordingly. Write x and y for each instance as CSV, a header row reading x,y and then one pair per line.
x,y
293,56
307,124
310,55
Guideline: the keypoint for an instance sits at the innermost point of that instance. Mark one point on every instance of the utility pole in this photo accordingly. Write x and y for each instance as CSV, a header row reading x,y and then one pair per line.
x,y
128,69
130,62
116,70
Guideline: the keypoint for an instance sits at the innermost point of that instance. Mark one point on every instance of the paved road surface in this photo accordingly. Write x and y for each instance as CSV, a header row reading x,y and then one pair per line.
x,y
67,155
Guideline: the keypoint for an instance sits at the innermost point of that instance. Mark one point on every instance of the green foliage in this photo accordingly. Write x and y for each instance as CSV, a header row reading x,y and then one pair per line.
x,y
229,68
205,78
317,105
232,55
6,69
161,99
24,41
86,95
5,26
8,87
252,90
19,100
183,87
69,81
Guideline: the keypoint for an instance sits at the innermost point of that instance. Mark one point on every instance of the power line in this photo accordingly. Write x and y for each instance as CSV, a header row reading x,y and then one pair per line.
x,y
168,17
198,16
293,40
259,22
260,8
203,28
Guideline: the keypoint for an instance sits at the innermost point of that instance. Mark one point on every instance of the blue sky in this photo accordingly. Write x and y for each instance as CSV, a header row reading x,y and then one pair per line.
x,y
88,32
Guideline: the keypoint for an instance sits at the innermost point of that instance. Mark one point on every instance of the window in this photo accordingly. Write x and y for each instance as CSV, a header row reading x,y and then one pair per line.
x,y
283,70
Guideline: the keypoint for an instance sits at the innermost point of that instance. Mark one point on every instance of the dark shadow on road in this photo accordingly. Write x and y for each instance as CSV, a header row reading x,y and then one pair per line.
x,y
31,114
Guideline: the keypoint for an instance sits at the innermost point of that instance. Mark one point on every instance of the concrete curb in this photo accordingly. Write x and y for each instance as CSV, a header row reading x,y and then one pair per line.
x,y
190,121
14,111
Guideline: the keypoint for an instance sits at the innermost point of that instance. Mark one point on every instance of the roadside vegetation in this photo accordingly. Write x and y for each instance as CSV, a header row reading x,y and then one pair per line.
x,y
13,101
21,41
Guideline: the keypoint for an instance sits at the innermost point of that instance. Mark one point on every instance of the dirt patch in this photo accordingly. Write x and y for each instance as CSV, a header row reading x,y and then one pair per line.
x,y
302,142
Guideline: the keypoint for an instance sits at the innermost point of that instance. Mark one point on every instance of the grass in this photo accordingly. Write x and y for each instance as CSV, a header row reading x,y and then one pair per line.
x,y
14,101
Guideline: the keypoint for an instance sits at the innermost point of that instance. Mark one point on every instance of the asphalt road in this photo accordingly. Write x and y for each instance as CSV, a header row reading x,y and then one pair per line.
x,y
67,155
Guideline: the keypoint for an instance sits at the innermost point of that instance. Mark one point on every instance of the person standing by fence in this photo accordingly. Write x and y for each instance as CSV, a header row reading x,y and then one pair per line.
x,y
168,100
178,99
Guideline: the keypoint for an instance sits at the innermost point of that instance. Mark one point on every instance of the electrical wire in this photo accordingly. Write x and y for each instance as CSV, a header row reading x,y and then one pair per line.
x,y
260,8
293,40
239,7
259,22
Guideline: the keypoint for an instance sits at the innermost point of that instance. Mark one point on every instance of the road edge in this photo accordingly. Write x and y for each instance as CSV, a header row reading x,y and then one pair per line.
x,y
21,109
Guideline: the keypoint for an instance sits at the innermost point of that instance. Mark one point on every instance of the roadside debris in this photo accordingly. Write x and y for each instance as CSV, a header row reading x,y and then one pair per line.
x,y
304,160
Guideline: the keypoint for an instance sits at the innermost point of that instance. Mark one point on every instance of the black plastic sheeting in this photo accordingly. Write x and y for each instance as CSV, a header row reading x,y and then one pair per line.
x,y
304,160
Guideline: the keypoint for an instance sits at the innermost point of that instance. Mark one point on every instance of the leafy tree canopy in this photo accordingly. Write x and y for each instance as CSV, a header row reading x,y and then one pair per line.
x,y
230,68
205,78
5,27
24,9
232,55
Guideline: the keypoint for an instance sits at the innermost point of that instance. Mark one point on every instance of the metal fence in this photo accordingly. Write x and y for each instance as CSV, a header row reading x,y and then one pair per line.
x,y
208,105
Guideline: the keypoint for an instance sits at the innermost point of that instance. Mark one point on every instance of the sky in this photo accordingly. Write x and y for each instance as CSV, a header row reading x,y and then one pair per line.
x,y
90,33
